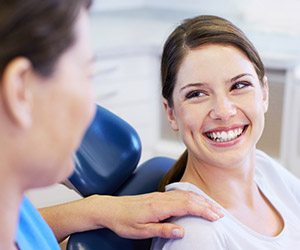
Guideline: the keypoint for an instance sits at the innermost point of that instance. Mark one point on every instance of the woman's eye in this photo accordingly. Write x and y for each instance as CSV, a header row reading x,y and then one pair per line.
x,y
240,85
194,94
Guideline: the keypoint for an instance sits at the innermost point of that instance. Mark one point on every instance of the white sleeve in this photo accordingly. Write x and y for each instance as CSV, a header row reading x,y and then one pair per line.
x,y
199,234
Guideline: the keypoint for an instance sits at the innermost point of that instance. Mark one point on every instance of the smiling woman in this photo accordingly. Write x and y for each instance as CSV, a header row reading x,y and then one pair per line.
x,y
216,95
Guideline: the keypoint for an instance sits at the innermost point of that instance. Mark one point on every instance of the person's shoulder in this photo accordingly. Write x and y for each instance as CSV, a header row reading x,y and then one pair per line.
x,y
261,157
270,171
267,164
201,230
199,233
32,231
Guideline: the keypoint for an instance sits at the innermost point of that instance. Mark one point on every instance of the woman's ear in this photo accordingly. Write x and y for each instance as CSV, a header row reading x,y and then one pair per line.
x,y
170,115
16,92
265,90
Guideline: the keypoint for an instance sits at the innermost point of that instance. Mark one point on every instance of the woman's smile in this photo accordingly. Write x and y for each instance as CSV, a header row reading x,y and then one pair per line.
x,y
225,134
225,137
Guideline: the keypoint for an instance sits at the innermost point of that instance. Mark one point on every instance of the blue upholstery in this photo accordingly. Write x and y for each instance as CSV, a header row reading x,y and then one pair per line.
x,y
147,176
106,163
107,156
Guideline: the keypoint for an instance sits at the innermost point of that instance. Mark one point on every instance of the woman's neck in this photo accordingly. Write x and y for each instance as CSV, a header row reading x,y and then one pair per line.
x,y
234,188
228,185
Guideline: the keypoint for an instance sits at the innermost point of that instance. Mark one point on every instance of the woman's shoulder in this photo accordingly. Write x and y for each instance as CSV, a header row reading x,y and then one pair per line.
x,y
270,173
185,186
198,231
262,157
267,165
270,167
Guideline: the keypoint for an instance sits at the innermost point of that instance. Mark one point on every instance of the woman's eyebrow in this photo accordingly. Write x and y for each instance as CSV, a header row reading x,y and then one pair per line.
x,y
197,84
239,76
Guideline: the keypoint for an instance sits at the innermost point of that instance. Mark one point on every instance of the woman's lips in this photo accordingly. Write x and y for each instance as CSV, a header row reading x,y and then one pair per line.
x,y
222,135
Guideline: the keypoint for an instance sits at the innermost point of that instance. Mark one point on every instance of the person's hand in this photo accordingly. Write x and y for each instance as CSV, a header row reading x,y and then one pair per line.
x,y
142,216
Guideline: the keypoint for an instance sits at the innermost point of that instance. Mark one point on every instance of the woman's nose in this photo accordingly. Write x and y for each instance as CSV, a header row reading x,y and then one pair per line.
x,y
223,109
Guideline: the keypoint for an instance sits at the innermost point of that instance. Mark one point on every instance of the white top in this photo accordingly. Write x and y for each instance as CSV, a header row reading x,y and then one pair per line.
x,y
280,187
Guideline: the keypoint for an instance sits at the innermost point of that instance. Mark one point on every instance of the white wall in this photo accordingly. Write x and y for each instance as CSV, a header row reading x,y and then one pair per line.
x,y
217,7
102,5
265,15
272,16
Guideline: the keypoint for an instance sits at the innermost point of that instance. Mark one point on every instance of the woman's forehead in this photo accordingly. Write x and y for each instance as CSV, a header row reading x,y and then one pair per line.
x,y
207,62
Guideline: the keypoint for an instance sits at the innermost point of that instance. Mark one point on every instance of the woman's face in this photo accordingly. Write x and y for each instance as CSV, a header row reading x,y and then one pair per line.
x,y
64,106
219,105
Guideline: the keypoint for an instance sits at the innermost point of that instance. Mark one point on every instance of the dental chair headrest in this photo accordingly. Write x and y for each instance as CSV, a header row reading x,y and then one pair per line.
x,y
107,156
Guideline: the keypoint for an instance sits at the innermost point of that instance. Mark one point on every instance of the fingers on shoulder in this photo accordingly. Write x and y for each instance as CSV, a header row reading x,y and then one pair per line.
x,y
190,203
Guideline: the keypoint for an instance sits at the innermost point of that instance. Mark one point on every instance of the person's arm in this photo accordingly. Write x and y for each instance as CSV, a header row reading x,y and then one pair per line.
x,y
136,217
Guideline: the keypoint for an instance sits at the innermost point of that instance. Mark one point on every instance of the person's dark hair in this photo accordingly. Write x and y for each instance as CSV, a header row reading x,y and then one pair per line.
x,y
192,34
40,30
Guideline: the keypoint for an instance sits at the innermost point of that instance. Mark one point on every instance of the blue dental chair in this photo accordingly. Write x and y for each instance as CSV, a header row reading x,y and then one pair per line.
x,y
106,163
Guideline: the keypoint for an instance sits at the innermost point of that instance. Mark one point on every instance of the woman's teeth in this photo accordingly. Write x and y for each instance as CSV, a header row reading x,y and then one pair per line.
x,y
223,136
